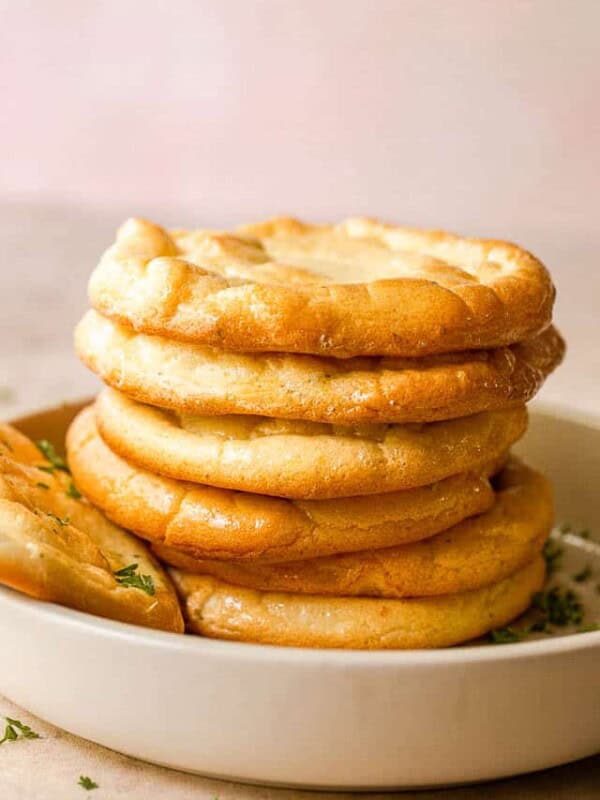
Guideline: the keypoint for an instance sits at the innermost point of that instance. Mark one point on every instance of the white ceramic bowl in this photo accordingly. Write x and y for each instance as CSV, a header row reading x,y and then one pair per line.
x,y
324,718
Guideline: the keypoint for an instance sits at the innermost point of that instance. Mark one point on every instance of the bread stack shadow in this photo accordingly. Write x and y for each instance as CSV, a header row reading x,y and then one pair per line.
x,y
322,461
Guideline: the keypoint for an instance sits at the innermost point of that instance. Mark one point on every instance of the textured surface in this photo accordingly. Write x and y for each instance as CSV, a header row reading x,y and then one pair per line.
x,y
217,609
205,522
291,458
357,288
475,553
195,379
66,757
41,306
58,548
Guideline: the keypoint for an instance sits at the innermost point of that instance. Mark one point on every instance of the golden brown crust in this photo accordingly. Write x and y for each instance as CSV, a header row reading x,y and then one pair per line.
x,y
195,379
474,553
299,459
286,286
204,522
222,611
58,548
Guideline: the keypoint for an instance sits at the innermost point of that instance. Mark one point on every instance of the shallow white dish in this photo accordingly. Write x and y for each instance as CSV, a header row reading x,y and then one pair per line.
x,y
323,718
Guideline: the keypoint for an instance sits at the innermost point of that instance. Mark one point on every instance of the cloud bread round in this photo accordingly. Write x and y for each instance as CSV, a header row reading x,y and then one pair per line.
x,y
223,611
353,289
299,459
477,552
56,547
196,379
204,522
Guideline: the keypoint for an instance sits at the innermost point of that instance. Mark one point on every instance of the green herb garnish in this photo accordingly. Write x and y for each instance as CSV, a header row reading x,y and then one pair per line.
x,y
73,491
10,734
559,608
49,470
584,575
128,577
540,626
62,522
554,607
41,485
87,783
17,730
553,554
46,448
505,636
565,528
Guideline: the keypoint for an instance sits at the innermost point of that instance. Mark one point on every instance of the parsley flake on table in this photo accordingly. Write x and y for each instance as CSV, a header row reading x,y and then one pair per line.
x,y
15,730
46,448
128,577
87,783
10,734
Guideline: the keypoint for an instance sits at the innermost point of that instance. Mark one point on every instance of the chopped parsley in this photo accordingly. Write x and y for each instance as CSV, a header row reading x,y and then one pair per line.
x,y
584,575
128,577
539,626
87,783
62,522
566,528
10,734
553,554
17,730
73,491
509,635
45,468
505,636
554,607
589,628
46,448
41,485
559,608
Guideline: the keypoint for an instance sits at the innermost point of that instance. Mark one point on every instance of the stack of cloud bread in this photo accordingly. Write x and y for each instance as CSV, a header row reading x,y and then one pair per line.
x,y
312,425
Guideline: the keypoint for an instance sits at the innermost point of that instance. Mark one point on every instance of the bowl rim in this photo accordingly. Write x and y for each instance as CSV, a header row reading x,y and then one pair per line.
x,y
79,622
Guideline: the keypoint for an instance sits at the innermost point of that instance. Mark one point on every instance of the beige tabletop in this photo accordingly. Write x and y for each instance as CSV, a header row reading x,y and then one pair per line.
x,y
47,254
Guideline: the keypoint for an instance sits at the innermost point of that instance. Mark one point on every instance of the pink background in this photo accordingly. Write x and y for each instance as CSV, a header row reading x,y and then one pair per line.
x,y
475,114
478,115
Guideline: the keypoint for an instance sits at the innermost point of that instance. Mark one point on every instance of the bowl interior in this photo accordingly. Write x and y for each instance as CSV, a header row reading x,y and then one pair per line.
x,y
563,445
